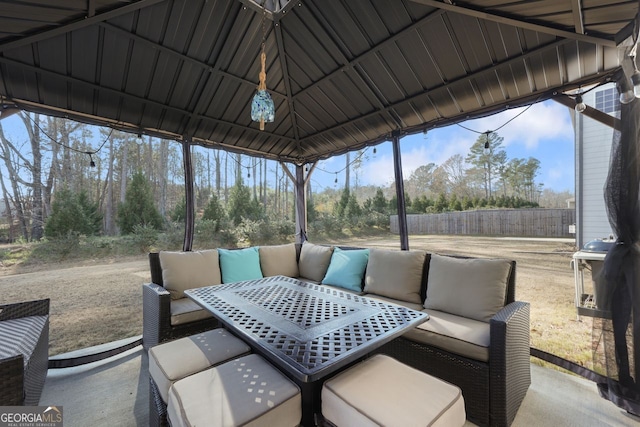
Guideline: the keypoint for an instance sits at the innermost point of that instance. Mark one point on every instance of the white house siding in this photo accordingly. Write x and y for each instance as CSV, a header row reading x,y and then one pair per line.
x,y
593,148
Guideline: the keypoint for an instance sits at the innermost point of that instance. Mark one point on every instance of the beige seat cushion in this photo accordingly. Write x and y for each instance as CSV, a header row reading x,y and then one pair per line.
x,y
314,261
185,310
242,392
188,270
279,260
456,334
395,274
173,360
473,288
384,392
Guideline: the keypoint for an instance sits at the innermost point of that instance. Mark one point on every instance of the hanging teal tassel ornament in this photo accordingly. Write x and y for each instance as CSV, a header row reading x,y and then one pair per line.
x,y
262,107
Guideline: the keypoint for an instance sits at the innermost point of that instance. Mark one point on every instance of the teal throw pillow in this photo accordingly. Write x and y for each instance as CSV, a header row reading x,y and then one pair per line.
x,y
240,264
347,269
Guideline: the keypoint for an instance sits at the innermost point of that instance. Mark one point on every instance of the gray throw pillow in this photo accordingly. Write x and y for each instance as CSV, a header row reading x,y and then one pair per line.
x,y
279,260
188,270
473,288
314,261
395,274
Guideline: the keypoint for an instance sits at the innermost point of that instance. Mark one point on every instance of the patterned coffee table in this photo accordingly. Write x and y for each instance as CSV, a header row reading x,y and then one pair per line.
x,y
308,331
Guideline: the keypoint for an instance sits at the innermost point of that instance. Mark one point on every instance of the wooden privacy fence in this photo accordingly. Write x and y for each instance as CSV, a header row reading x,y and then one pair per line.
x,y
493,222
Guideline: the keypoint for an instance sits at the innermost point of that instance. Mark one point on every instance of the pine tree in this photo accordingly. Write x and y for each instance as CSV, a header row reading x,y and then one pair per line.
x,y
240,204
379,203
138,207
214,211
72,213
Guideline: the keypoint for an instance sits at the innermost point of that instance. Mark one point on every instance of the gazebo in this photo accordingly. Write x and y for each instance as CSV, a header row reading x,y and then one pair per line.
x,y
342,75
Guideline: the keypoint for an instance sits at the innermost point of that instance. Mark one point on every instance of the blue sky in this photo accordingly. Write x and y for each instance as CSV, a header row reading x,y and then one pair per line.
x,y
544,131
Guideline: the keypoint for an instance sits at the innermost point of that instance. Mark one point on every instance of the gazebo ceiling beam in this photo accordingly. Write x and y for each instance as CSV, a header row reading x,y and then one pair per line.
x,y
213,69
577,16
373,51
76,25
481,14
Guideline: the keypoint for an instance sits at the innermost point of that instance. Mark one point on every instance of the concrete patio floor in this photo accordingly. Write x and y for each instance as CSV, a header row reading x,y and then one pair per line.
x,y
114,392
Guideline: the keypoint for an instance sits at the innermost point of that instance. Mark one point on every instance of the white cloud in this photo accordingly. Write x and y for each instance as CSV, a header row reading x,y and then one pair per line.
x,y
543,121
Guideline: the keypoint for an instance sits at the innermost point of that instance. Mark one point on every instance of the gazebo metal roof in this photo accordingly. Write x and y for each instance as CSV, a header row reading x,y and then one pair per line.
x,y
343,73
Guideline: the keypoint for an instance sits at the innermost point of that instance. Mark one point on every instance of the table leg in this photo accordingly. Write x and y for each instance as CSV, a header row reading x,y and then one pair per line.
x,y
311,402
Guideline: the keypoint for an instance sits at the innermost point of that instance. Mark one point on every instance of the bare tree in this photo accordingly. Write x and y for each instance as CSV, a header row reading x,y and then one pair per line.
x,y
109,211
163,171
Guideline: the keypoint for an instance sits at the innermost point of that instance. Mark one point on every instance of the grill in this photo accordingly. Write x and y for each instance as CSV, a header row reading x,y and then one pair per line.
x,y
590,296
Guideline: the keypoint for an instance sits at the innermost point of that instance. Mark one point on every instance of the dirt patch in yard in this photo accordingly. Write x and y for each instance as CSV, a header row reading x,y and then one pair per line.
x,y
100,301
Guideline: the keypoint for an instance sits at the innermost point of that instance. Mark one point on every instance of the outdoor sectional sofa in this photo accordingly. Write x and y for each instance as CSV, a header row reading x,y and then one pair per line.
x,y
477,336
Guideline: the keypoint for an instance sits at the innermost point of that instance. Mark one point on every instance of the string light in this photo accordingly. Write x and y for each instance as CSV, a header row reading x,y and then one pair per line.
x,y
90,153
504,124
580,105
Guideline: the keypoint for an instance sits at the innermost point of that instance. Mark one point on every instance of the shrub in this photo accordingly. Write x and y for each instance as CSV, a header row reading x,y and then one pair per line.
x,y
328,225
72,213
212,234
144,236
173,236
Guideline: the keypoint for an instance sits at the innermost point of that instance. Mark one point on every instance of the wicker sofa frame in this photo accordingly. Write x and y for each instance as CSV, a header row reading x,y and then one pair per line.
x,y
493,390
22,384
156,311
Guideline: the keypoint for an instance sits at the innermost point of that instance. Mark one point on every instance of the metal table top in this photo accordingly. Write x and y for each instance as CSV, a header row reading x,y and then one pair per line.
x,y
307,330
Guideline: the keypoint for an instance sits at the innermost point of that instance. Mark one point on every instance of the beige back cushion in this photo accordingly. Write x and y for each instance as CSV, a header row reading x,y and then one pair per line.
x,y
473,288
395,274
279,260
314,261
188,270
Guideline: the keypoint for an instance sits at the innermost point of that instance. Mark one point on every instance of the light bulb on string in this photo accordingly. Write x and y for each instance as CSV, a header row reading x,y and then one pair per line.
x,y
580,105
625,90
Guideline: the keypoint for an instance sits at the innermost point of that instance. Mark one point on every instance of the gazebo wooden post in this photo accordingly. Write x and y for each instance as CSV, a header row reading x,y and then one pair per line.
x,y
402,211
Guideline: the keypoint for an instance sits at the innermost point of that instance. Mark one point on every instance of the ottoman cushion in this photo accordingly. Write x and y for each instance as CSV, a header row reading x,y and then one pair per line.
x,y
173,360
383,391
243,392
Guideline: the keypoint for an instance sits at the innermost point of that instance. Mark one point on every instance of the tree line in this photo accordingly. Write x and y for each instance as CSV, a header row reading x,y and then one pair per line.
x,y
109,182
486,172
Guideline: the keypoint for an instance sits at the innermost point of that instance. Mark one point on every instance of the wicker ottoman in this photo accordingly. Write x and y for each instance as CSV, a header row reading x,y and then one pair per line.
x,y
244,391
174,360
383,391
